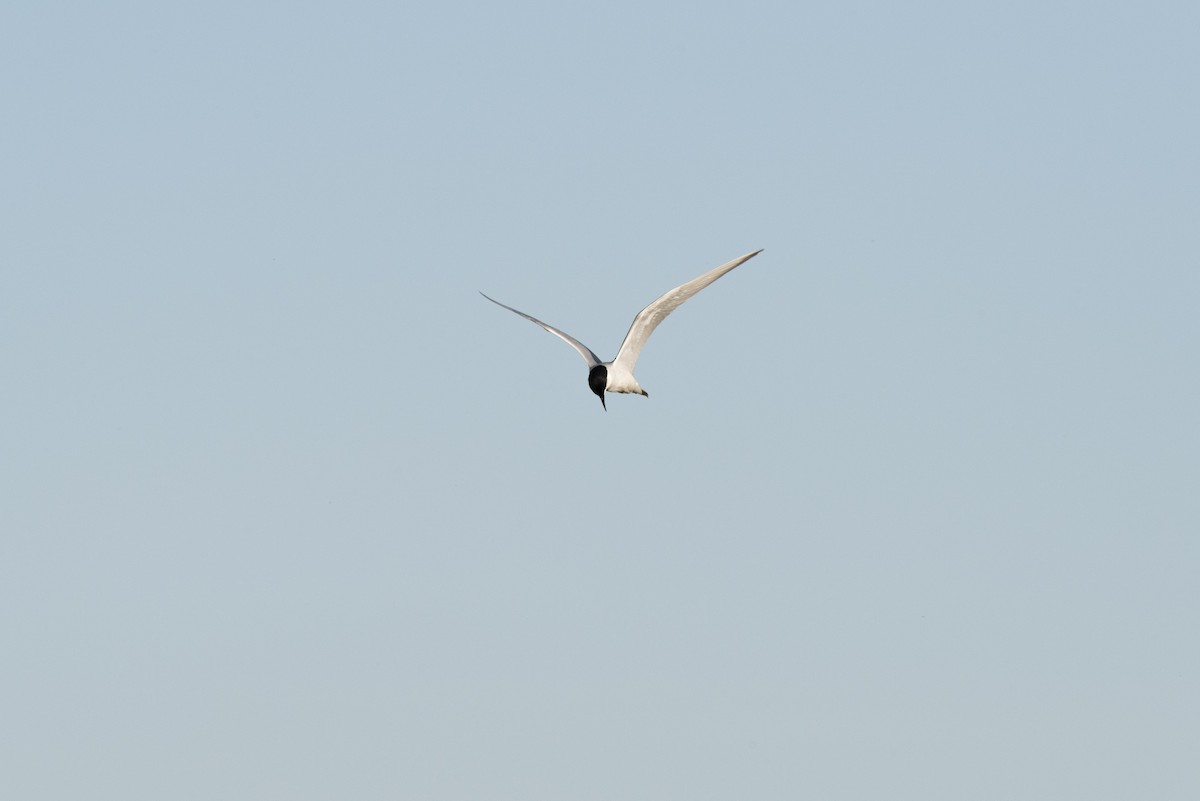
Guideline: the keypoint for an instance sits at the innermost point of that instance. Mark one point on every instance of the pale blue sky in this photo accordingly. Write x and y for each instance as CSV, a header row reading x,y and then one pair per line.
x,y
290,512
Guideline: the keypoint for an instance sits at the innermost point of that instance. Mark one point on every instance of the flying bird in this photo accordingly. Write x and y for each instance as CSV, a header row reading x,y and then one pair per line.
x,y
617,375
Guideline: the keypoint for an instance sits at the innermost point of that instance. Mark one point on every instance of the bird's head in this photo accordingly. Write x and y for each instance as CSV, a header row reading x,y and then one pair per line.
x,y
598,380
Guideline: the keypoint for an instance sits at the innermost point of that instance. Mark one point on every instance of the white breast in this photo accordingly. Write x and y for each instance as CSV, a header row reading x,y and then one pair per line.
x,y
620,380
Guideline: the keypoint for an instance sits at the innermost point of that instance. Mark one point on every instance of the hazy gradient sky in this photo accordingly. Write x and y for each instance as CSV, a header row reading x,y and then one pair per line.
x,y
290,512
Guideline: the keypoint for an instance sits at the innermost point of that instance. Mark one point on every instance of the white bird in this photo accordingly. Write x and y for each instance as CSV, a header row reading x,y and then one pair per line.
x,y
617,375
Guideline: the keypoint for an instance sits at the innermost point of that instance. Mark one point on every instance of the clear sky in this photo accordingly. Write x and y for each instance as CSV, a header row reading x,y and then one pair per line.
x,y
290,512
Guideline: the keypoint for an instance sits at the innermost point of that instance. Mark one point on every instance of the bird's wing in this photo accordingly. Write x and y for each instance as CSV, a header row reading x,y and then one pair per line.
x,y
589,357
649,318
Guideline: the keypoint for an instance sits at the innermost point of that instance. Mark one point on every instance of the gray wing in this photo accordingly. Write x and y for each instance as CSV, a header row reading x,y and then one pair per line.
x,y
649,318
589,357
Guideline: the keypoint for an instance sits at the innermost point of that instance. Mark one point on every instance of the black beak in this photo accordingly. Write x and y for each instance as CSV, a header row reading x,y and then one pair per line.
x,y
602,403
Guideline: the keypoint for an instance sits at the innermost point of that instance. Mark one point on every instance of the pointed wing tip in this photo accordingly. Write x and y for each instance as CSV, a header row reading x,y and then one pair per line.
x,y
746,258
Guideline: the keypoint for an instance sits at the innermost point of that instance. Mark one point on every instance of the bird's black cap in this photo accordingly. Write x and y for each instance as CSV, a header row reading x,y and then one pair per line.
x,y
598,380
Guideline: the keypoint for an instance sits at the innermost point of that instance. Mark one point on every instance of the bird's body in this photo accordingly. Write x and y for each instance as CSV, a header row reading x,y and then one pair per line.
x,y
621,380
617,375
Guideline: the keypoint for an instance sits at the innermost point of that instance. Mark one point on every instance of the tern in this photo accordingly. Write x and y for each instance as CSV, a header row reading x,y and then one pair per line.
x,y
617,375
